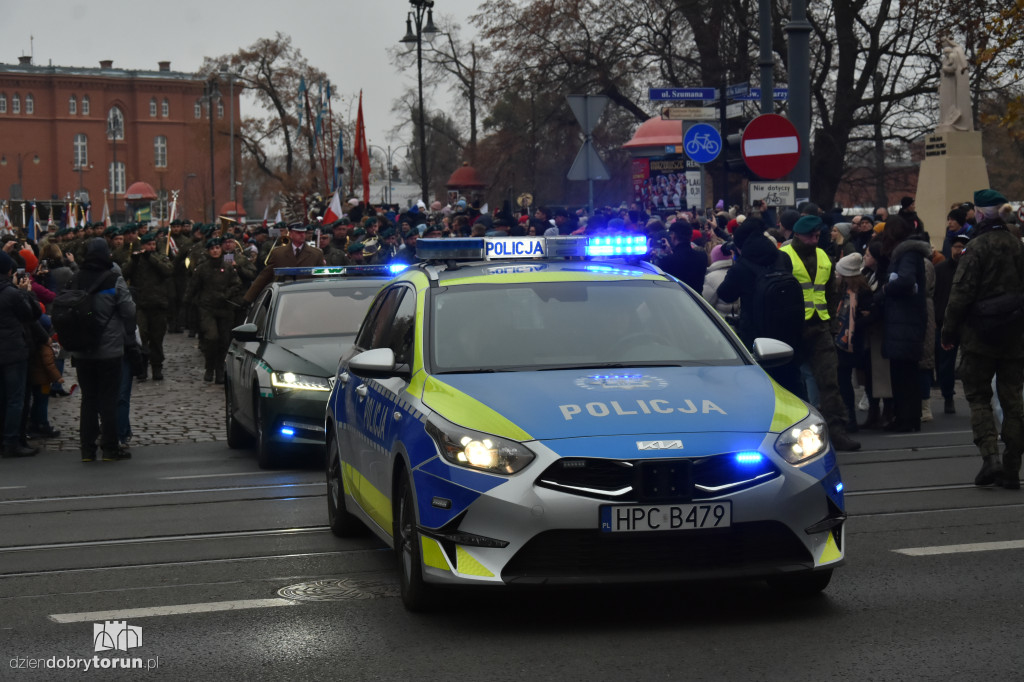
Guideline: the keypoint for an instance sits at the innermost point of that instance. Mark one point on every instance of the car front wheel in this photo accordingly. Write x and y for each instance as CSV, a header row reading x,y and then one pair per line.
x,y
417,595
342,524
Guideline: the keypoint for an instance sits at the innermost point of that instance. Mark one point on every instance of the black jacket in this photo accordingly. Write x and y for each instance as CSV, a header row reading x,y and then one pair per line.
x,y
759,255
905,305
686,264
16,310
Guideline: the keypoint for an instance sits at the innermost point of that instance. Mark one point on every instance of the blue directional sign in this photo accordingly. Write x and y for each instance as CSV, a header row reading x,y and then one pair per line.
x,y
682,94
702,143
781,94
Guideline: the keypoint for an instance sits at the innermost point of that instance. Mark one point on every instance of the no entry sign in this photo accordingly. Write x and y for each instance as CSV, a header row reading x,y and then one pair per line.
x,y
771,147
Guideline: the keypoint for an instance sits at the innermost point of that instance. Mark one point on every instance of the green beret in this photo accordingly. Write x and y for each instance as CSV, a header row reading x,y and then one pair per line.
x,y
207,230
358,232
110,231
215,241
988,197
808,224
389,232
355,247
148,237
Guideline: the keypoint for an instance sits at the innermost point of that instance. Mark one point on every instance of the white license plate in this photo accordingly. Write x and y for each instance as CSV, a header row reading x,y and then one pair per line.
x,y
632,518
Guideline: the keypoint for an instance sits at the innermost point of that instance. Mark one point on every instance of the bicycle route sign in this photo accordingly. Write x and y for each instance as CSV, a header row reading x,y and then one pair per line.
x,y
702,143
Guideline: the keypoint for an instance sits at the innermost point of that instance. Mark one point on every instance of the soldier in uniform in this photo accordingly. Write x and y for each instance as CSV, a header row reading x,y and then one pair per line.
x,y
271,244
180,241
215,288
148,273
333,255
295,254
191,260
233,252
991,266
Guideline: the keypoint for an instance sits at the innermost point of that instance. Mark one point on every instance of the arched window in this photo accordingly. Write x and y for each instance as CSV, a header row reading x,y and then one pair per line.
x,y
199,109
16,104
115,124
85,105
165,108
152,108
81,150
3,102
220,109
72,105
116,177
30,104
160,151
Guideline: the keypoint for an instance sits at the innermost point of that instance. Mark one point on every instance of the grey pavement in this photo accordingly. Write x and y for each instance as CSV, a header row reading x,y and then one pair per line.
x,y
180,409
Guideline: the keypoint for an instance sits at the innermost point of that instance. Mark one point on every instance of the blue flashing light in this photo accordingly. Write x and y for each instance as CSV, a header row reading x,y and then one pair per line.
x,y
617,245
287,431
338,271
748,458
839,487
395,268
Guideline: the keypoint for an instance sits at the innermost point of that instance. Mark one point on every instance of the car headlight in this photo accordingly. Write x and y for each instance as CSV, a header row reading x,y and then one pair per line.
x,y
300,382
476,450
804,440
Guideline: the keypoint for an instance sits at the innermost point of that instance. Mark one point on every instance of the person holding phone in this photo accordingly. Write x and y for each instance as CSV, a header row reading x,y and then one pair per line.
x,y
16,310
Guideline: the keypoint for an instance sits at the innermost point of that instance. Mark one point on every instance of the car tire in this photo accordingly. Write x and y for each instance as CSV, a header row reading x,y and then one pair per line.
x,y
417,595
264,456
237,436
801,584
343,524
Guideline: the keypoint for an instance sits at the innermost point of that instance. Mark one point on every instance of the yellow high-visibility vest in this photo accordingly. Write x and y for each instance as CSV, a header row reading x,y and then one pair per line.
x,y
814,291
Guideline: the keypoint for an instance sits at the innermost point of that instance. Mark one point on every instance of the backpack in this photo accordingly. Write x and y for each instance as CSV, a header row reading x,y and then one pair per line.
x,y
74,318
777,310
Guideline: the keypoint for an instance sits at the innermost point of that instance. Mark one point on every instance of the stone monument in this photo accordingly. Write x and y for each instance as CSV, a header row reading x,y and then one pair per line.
x,y
953,167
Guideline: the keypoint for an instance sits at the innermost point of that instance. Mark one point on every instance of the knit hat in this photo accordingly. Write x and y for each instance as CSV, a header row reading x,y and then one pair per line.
x,y
717,254
844,229
807,224
988,197
906,202
850,266
748,229
6,263
788,218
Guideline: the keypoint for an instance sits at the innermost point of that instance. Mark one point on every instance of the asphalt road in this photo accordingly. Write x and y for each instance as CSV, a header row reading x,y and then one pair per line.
x,y
192,542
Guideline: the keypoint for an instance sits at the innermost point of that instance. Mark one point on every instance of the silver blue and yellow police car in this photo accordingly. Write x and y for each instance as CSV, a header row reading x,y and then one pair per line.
x,y
282,359
519,411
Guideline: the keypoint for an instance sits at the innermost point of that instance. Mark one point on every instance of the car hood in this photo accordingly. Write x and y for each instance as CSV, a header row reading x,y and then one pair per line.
x,y
314,356
643,401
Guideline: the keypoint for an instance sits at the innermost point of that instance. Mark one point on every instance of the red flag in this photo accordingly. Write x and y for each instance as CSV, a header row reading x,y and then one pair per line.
x,y
362,152
334,211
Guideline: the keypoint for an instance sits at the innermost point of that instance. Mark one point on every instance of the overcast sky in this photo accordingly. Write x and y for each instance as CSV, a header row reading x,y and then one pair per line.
x,y
347,39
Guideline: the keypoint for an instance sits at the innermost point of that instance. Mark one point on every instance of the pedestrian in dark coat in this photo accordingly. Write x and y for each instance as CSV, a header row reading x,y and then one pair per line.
x,y
682,261
17,309
905,319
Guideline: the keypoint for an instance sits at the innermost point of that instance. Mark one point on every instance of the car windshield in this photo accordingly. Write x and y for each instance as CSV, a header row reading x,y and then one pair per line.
x,y
551,325
322,312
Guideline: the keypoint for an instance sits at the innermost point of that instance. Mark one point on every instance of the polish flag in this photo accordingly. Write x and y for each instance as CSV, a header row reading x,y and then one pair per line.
x,y
334,211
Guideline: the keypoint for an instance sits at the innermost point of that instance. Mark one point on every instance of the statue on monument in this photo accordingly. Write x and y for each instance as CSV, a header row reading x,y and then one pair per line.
x,y
954,90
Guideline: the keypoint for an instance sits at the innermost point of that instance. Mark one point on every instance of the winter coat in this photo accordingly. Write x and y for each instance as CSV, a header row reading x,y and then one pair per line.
x,y
114,308
42,366
712,280
215,286
758,256
16,310
905,308
992,264
147,274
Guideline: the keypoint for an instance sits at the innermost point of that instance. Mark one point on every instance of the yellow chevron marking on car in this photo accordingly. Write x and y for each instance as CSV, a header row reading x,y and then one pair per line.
x,y
830,552
373,501
788,409
543,276
433,555
467,565
469,412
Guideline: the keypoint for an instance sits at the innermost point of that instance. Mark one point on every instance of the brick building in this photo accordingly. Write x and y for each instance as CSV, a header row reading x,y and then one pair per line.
x,y
75,131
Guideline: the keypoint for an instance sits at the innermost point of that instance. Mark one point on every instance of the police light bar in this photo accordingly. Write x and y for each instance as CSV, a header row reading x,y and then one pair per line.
x,y
500,248
343,271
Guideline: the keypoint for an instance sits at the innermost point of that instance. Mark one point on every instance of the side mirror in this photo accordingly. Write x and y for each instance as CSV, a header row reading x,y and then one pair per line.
x,y
377,363
772,352
245,333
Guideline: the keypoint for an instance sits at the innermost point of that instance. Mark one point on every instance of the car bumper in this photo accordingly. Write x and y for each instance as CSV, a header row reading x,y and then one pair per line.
x,y
296,418
520,532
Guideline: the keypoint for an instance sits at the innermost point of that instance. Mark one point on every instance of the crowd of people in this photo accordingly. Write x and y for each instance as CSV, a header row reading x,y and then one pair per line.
x,y
862,299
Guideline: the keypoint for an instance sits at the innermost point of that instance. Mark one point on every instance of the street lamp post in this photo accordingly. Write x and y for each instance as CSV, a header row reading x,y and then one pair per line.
x,y
115,131
18,160
389,152
210,94
421,9
231,96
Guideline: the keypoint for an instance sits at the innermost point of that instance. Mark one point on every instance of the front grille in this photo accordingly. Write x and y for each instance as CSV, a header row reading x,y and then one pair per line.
x,y
565,554
654,480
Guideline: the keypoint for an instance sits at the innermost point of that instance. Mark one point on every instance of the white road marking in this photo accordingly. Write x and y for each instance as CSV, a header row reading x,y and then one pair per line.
x,y
241,473
12,487
177,610
962,549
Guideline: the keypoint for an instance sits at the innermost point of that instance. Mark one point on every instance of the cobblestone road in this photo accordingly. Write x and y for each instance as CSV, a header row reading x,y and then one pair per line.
x,y
180,409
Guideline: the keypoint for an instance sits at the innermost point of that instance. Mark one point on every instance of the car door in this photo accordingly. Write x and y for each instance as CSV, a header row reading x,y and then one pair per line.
x,y
246,355
368,408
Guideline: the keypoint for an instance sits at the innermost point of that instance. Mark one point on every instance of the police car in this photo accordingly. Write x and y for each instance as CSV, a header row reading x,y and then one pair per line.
x,y
518,412
282,359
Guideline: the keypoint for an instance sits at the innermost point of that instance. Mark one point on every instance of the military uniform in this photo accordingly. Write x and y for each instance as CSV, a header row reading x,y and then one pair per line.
x,y
284,257
148,274
215,289
991,265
